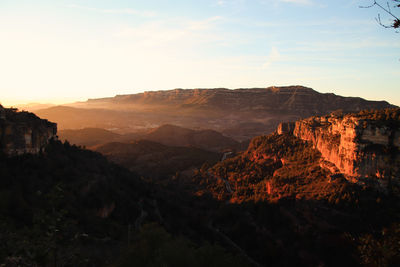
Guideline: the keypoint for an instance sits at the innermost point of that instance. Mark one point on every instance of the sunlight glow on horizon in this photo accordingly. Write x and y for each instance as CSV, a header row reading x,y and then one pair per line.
x,y
70,51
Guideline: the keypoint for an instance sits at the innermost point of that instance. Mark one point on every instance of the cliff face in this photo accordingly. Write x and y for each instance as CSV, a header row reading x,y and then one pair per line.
x,y
299,99
23,132
364,145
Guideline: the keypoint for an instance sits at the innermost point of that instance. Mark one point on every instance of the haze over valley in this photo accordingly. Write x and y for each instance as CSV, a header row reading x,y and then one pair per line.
x,y
240,114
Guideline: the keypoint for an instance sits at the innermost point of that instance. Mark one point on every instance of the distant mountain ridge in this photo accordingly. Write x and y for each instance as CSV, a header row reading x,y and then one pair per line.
x,y
297,98
240,114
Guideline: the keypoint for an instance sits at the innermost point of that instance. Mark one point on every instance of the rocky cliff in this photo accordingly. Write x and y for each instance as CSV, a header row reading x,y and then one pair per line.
x,y
302,100
23,132
363,145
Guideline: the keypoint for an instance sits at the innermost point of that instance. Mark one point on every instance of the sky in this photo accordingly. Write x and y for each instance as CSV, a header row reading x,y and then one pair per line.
x,y
70,50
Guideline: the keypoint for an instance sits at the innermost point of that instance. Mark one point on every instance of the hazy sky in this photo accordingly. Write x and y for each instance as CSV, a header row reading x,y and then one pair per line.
x,y
59,50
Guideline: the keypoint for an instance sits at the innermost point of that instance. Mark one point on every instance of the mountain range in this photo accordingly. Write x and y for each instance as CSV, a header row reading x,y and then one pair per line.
x,y
240,113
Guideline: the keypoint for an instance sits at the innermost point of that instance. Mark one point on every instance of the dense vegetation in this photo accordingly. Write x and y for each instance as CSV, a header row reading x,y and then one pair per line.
x,y
295,207
157,161
52,206
71,207
274,167
387,116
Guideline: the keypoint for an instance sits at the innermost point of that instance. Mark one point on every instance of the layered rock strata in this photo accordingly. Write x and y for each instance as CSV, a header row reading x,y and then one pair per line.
x,y
23,132
360,146
297,100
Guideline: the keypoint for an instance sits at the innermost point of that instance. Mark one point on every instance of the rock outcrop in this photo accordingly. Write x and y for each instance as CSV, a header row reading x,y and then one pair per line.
x,y
363,145
286,127
23,132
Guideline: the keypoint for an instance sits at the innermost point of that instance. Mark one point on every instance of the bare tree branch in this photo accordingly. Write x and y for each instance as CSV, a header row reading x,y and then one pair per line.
x,y
388,10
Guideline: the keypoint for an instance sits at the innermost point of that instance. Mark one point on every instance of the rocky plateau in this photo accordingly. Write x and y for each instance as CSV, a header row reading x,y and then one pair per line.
x,y
240,113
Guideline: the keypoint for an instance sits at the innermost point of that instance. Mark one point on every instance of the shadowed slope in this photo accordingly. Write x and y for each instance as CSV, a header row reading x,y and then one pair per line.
x,y
154,160
88,136
178,136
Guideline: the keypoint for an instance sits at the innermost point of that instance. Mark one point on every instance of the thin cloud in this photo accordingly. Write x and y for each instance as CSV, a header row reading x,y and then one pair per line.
x,y
126,11
273,56
299,2
170,32
203,24
230,3
221,3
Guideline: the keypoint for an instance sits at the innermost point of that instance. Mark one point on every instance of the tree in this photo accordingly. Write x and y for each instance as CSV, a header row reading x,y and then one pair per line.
x,y
388,9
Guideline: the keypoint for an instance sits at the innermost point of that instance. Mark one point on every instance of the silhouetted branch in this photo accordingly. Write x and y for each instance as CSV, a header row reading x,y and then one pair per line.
x,y
388,10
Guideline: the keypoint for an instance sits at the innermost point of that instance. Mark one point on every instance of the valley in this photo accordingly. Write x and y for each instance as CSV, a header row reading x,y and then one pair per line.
x,y
240,114
213,133
319,191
